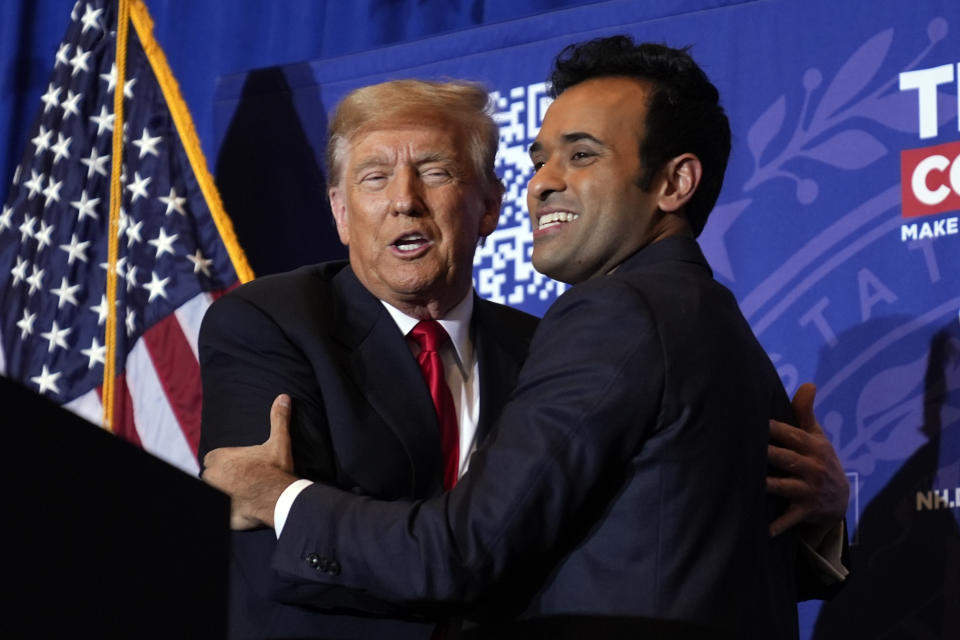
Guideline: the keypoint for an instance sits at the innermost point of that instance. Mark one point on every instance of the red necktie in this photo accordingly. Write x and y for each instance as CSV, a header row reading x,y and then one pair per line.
x,y
431,336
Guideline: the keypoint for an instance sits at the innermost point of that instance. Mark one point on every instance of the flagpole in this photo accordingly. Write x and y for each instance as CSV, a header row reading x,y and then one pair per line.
x,y
116,193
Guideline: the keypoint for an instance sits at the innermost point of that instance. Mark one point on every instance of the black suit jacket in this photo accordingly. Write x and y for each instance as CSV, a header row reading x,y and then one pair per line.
x,y
363,419
625,482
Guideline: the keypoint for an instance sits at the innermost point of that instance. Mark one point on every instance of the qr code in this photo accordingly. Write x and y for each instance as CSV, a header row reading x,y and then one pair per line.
x,y
501,268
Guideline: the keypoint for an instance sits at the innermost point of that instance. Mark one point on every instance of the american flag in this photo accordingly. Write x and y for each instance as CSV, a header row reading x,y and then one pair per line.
x,y
176,247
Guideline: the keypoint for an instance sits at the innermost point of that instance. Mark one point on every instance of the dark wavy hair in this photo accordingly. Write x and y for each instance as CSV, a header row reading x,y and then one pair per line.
x,y
683,113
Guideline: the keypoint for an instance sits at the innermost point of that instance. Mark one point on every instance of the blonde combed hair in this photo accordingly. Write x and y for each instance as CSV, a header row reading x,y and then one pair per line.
x,y
463,104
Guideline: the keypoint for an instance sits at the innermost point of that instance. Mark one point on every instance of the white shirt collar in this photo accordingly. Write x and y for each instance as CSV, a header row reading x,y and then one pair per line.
x,y
456,323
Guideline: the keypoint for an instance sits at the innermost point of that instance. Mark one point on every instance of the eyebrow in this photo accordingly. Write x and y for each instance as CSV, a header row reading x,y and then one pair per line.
x,y
380,159
435,156
369,163
569,138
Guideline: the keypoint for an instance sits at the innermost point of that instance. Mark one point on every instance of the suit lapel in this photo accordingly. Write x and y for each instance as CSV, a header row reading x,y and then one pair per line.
x,y
498,361
383,368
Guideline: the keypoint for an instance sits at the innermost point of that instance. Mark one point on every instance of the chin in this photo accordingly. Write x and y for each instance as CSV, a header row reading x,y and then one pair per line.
x,y
550,271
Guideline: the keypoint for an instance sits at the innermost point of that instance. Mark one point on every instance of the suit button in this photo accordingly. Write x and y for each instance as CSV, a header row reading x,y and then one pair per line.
x,y
322,564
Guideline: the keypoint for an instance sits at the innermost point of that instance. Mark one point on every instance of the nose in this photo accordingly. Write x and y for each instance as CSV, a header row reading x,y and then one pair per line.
x,y
404,194
545,181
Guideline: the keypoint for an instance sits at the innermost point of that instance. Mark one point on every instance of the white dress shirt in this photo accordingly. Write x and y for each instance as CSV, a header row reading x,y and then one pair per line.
x,y
462,373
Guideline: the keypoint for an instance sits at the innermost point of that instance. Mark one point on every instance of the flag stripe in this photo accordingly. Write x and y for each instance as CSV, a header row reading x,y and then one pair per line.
x,y
178,373
190,316
87,406
153,415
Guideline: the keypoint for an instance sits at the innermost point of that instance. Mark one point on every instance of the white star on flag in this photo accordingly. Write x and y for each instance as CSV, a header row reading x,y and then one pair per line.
x,y
173,202
200,264
19,272
138,188
47,381
61,149
133,233
66,292
34,184
101,310
35,279
95,163
69,104
79,61
104,121
6,218
52,192
62,56
85,206
95,353
156,286
57,337
163,243
49,99
76,250
146,144
131,277
131,322
90,19
42,140
111,79
42,236
26,324
26,229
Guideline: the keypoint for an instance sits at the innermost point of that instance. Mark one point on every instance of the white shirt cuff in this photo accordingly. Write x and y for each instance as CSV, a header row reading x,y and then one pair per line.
x,y
285,503
827,554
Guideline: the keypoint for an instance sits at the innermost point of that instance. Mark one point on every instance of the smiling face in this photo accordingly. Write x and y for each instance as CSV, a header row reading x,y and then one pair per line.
x,y
411,211
587,211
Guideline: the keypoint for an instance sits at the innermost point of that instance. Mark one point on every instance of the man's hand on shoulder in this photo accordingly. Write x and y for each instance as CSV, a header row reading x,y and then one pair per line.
x,y
254,476
815,482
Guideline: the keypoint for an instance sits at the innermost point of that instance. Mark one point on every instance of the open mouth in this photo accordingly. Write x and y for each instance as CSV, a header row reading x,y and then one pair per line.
x,y
410,243
555,218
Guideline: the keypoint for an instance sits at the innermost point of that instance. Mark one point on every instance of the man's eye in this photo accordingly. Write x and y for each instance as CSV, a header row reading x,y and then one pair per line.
x,y
435,175
581,155
537,164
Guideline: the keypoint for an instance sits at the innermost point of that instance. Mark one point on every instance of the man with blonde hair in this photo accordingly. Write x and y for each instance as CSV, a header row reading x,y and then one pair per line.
x,y
412,190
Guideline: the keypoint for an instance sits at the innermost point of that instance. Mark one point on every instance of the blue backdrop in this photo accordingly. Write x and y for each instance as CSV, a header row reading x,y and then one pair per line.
x,y
810,232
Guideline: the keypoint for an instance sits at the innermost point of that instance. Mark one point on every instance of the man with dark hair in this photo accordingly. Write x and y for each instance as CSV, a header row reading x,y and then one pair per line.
x,y
683,112
624,486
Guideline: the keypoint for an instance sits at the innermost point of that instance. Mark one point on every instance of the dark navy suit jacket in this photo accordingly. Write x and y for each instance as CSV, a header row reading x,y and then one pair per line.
x,y
624,482
362,421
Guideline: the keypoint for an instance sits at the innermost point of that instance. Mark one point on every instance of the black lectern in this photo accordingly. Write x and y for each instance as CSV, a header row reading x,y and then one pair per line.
x,y
101,538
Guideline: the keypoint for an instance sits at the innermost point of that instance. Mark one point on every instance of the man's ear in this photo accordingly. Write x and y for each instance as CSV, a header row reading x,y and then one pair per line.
x,y
339,208
491,213
681,176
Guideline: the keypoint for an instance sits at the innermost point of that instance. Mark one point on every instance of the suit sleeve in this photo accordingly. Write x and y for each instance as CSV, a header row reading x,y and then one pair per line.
x,y
246,360
586,399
